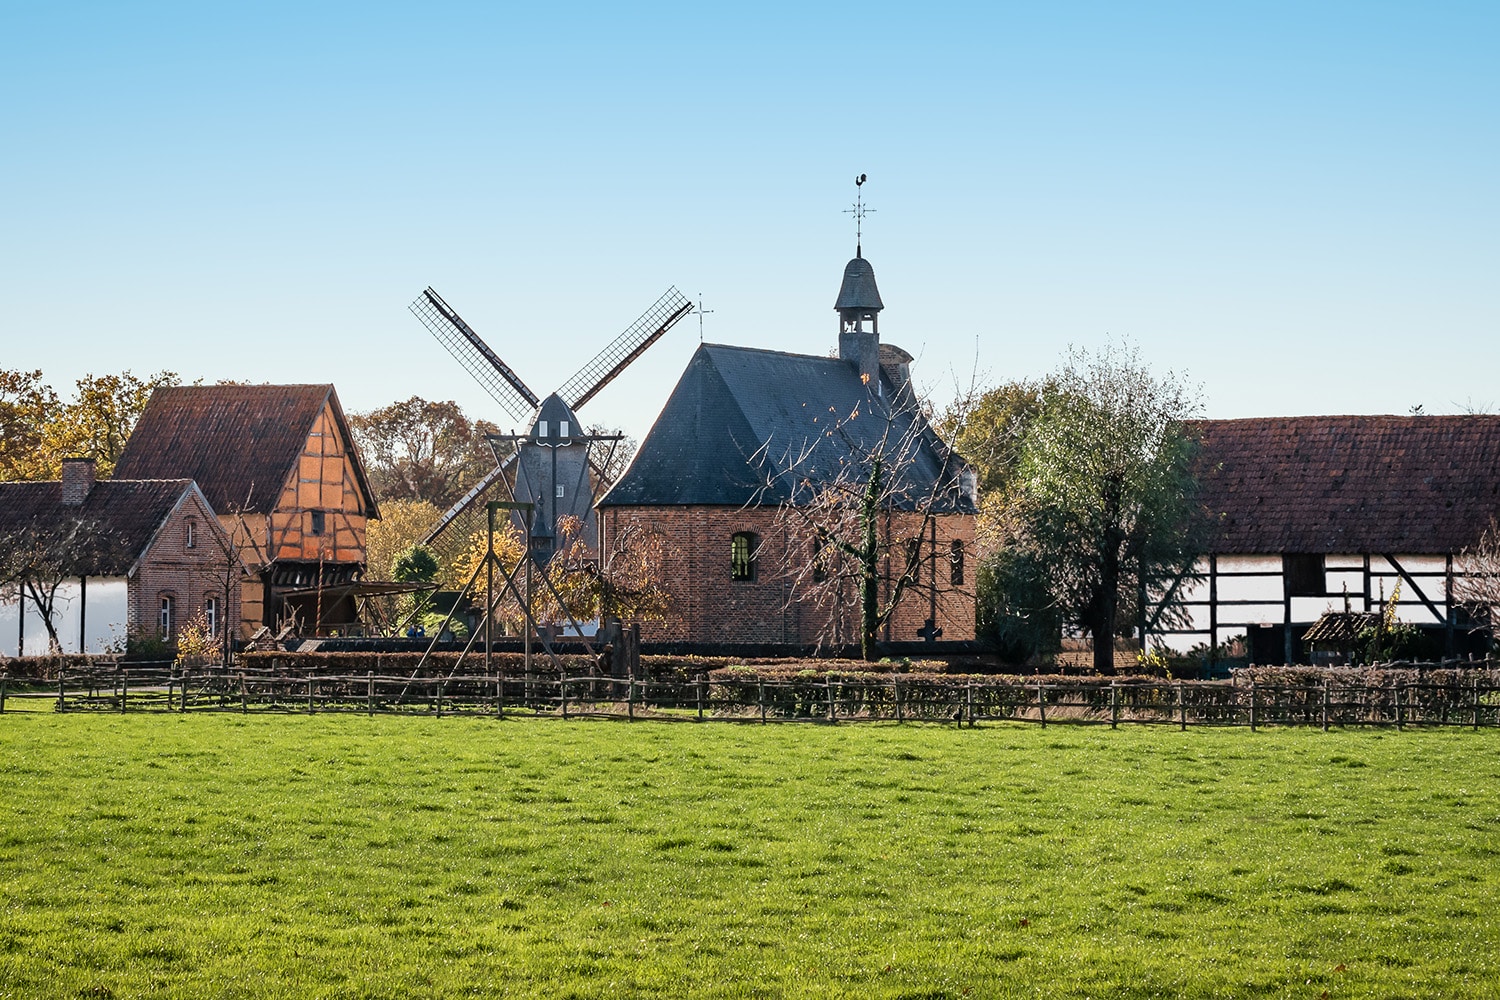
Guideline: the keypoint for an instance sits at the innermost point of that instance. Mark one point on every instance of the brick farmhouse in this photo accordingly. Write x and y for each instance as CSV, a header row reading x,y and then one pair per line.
x,y
143,556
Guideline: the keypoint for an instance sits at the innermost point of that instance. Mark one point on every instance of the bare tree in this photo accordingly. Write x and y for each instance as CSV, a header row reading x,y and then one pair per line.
x,y
37,559
1476,579
862,496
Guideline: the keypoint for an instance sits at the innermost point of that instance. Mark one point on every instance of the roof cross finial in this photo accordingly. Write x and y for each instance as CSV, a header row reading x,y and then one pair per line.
x,y
700,312
858,211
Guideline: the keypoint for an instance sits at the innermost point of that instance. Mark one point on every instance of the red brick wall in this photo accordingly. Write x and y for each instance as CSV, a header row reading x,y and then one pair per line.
x,y
707,605
187,575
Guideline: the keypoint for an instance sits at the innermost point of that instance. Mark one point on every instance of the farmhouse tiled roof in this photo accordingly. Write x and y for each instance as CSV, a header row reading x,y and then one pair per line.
x,y
240,442
1349,484
738,414
126,513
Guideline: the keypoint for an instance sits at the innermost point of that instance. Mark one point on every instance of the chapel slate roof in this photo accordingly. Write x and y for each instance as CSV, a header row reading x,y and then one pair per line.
x,y
128,513
1349,484
240,442
739,414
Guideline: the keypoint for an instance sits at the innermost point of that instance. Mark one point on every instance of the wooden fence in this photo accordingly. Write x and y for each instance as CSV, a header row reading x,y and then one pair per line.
x,y
1457,700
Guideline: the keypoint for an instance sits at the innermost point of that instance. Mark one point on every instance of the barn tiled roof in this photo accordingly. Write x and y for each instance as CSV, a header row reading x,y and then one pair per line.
x,y
240,442
734,405
1349,484
128,514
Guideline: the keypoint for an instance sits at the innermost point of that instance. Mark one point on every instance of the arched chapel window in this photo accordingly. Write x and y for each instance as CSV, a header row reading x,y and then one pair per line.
x,y
742,556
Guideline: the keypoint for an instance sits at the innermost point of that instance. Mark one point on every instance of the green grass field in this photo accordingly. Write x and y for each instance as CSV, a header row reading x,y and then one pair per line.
x,y
225,856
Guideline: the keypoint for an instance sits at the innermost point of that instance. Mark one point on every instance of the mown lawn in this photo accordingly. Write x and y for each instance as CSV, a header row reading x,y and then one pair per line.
x,y
226,856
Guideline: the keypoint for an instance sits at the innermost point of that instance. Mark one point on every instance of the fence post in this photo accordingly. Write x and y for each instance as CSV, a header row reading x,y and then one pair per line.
x,y
499,691
630,698
1252,704
1476,701
3,678
182,705
370,692
760,698
900,713
969,697
1400,723
124,689
828,691
62,704
1041,702
562,691
310,694
1114,704
700,693
440,697
1181,710
244,698
1325,704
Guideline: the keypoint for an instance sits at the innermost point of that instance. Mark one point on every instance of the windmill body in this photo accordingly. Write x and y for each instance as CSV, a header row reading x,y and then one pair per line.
x,y
552,473
552,464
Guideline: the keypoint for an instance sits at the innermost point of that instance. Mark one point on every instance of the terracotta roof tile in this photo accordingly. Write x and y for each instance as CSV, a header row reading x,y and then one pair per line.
x,y
240,442
1350,483
129,513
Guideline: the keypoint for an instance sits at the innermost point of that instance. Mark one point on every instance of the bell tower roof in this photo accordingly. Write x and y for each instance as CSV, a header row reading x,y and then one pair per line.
x,y
858,290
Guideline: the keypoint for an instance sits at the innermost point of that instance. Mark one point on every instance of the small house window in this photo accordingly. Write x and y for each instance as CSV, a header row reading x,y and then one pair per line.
x,y
1304,575
166,615
742,556
317,522
956,563
211,615
192,539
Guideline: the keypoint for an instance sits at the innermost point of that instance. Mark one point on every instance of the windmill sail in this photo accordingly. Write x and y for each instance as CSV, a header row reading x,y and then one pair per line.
x,y
625,348
504,385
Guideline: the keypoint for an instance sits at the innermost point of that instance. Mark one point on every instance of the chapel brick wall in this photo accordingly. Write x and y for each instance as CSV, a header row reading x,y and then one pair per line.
x,y
707,605
188,575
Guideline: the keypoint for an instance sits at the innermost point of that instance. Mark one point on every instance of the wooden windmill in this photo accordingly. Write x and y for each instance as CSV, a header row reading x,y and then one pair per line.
x,y
553,464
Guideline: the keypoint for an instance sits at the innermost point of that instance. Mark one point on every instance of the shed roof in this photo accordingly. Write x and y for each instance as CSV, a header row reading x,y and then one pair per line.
x,y
240,442
1349,484
127,513
739,413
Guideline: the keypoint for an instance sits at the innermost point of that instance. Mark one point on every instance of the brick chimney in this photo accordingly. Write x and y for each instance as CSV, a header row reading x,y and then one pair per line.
x,y
77,480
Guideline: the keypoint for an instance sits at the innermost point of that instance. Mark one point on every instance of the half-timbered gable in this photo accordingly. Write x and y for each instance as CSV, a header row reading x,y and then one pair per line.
x,y
280,466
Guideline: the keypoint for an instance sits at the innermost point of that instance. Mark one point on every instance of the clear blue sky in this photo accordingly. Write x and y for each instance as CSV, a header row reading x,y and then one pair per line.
x,y
1295,203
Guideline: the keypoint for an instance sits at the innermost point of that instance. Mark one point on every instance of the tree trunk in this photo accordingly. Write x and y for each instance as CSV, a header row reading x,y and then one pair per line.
x,y
1104,624
869,604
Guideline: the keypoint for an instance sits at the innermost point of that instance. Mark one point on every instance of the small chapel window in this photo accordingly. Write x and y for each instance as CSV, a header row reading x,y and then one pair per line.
x,y
192,539
742,556
956,563
166,615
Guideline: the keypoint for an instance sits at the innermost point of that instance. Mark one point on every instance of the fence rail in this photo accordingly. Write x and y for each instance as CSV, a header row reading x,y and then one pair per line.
x,y
1472,702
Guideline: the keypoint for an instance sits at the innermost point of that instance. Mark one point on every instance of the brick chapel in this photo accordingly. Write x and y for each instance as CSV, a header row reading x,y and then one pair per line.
x,y
734,480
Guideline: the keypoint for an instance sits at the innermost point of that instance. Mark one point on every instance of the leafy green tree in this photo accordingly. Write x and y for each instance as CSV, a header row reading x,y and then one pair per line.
x,y
415,565
1102,503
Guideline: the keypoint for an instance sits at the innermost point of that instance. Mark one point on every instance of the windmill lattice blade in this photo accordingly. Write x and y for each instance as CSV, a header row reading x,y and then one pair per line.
x,y
625,348
504,385
476,492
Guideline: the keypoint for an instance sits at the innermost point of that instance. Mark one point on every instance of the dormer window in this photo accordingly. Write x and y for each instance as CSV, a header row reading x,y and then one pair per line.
x,y
319,522
541,428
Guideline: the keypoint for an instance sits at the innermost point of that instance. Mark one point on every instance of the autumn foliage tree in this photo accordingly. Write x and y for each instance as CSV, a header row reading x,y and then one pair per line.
x,y
38,429
416,449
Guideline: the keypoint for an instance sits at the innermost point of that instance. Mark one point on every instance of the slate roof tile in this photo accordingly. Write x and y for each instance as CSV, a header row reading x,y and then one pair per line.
x,y
128,512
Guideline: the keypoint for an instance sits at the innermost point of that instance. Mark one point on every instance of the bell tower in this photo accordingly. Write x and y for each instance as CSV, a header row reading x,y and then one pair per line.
x,y
859,304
